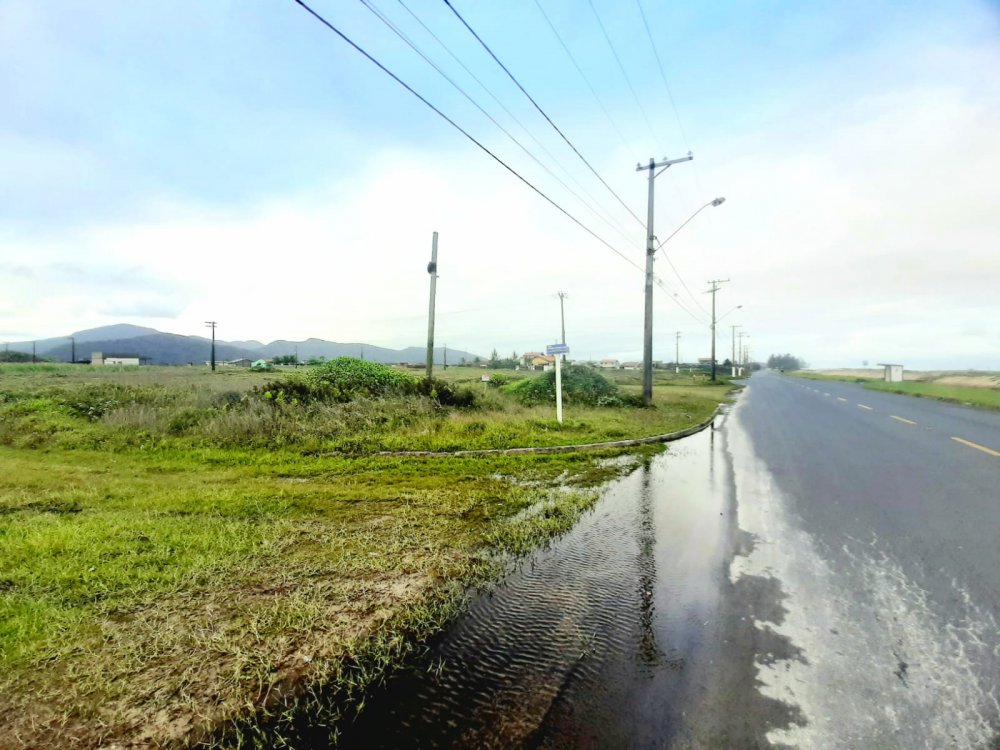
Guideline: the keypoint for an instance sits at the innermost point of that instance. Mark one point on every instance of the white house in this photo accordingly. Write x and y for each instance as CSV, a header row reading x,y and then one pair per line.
x,y
127,360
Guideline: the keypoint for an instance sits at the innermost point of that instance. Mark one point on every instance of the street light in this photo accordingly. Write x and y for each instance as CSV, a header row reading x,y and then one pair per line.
x,y
713,203
647,351
715,322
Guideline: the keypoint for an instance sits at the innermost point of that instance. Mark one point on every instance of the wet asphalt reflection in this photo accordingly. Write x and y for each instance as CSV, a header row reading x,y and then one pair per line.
x,y
610,637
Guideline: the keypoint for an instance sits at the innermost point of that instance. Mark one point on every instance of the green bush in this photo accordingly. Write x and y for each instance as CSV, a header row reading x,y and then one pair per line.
x,y
347,378
581,385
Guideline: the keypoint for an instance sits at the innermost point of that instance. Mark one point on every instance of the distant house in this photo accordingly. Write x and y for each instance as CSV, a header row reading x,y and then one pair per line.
x,y
528,356
244,362
631,365
541,362
609,364
127,360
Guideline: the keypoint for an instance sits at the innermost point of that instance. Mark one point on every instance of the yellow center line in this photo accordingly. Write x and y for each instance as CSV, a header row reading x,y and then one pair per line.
x,y
841,398
866,407
902,419
977,446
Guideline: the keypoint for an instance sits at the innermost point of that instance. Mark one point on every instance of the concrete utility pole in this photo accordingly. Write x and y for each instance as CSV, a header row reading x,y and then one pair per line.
x,y
647,339
562,318
72,355
446,356
740,349
732,361
715,287
432,269
677,353
212,324
32,352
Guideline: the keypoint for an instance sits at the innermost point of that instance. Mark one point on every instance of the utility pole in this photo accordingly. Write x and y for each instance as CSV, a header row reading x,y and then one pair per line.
x,y
741,350
212,324
72,355
677,353
446,356
715,287
432,269
647,338
733,361
562,318
32,352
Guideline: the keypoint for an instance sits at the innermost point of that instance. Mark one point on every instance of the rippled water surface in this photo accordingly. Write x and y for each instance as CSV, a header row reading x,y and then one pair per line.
x,y
599,640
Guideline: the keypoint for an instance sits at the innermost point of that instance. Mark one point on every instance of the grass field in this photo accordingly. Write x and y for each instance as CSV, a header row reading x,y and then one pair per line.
x,y
984,394
176,558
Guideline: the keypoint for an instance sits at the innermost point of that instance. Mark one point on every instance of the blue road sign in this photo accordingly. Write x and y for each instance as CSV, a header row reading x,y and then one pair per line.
x,y
557,349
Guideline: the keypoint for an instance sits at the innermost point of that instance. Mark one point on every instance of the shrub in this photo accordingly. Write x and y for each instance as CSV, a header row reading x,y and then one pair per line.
x,y
346,378
581,385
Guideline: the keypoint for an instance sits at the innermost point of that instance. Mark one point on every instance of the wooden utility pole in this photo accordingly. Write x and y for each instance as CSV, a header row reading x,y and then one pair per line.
x,y
432,270
212,324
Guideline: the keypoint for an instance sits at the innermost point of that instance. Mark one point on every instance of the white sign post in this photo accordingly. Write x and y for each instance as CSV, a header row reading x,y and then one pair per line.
x,y
556,350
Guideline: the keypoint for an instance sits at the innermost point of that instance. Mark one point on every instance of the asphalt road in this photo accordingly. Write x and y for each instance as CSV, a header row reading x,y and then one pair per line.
x,y
820,569
877,517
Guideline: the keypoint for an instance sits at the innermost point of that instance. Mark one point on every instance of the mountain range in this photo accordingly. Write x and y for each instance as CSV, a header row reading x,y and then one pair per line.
x,y
173,349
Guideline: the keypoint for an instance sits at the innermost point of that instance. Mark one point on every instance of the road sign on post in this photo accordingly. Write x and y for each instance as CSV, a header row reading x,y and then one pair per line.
x,y
555,350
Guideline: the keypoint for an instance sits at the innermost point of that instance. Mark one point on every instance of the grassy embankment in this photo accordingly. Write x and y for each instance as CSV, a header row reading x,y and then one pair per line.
x,y
980,390
178,556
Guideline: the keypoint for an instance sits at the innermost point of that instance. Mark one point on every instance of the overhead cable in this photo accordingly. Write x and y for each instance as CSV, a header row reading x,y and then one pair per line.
x,y
510,114
464,132
541,111
399,33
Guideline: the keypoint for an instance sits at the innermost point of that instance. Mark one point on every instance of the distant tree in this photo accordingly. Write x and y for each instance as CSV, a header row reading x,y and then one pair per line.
x,y
313,361
15,357
513,355
785,362
477,360
288,359
493,358
462,361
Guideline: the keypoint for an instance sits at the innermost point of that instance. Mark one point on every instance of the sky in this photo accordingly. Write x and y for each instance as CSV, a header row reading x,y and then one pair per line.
x,y
171,163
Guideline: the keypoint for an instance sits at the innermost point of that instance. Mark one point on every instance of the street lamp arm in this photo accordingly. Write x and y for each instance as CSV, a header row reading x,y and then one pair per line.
x,y
713,203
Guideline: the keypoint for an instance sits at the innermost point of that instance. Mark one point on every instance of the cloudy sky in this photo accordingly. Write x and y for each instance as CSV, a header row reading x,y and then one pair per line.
x,y
170,163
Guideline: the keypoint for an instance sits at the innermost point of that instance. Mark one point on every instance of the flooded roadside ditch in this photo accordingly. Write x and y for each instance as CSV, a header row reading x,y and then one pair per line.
x,y
606,637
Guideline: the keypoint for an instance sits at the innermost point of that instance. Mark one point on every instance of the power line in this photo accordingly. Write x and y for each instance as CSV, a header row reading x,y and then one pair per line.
x,y
399,33
663,75
510,114
621,68
464,132
582,74
540,110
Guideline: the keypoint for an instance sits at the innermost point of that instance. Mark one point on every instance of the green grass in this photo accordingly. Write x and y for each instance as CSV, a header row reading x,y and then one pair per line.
x,y
176,558
986,398
981,397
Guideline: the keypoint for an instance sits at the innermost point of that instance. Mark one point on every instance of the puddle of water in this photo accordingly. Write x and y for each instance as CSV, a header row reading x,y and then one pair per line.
x,y
599,640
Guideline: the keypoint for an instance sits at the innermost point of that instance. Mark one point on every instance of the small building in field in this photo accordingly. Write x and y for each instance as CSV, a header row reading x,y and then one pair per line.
x,y
892,373
542,362
528,356
631,365
244,362
609,364
121,360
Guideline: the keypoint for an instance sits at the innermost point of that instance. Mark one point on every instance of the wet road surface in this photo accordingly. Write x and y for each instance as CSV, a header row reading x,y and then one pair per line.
x,y
808,573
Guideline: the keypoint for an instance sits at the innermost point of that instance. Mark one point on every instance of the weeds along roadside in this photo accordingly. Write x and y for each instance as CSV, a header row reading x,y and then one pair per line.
x,y
157,561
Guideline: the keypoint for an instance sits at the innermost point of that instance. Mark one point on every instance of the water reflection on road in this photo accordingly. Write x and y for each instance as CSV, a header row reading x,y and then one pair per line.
x,y
603,639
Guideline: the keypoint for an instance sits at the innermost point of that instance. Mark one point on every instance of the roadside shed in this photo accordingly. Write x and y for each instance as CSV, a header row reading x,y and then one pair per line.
x,y
892,373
